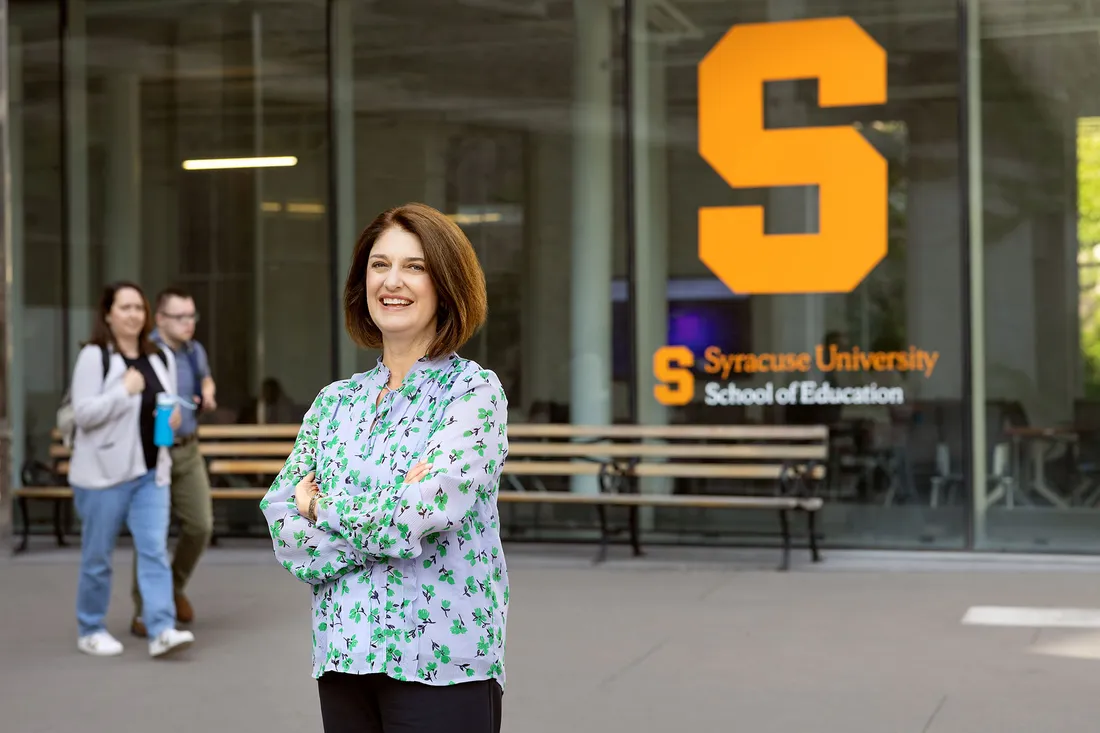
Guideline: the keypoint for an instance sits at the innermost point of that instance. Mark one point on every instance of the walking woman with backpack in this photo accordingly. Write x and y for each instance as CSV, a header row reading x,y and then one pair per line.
x,y
119,473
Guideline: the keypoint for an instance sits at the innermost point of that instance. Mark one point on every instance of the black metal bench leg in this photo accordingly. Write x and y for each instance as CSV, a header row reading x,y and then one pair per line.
x,y
811,526
635,535
67,510
59,522
602,554
26,525
785,527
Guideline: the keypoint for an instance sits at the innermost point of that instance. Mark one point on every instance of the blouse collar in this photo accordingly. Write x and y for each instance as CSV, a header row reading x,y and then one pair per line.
x,y
424,369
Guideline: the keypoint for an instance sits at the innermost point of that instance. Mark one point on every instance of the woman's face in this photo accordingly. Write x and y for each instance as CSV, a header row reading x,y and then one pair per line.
x,y
127,315
401,297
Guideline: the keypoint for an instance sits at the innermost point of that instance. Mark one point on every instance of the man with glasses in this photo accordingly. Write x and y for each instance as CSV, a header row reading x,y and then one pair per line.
x,y
176,317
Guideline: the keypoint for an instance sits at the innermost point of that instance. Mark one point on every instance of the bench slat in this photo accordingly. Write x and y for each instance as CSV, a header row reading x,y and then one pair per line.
x,y
66,492
561,430
525,497
662,500
655,470
281,449
551,468
565,430
715,470
225,467
227,448
248,432
44,492
244,450
245,492
674,450
671,432
232,466
245,465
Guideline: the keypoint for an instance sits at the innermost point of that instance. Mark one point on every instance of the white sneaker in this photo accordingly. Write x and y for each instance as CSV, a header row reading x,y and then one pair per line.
x,y
99,644
169,642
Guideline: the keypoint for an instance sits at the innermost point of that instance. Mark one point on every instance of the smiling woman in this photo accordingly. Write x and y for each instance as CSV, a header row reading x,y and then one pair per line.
x,y
391,492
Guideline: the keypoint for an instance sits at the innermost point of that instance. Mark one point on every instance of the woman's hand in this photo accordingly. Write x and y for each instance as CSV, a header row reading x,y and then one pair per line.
x,y
133,381
305,495
417,472
175,419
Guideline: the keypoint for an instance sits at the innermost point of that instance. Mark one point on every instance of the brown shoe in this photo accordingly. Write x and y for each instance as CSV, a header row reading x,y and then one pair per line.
x,y
137,628
184,613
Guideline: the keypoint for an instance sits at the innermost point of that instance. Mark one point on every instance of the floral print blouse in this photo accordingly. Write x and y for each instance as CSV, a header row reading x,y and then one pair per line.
x,y
408,581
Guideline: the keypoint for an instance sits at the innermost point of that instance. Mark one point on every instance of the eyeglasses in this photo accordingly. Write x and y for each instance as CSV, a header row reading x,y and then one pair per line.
x,y
182,317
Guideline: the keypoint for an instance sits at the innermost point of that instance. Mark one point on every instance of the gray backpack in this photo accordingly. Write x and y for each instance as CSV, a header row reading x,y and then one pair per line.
x,y
66,420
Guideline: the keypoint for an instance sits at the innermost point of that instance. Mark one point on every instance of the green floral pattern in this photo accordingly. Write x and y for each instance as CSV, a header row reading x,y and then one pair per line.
x,y
408,580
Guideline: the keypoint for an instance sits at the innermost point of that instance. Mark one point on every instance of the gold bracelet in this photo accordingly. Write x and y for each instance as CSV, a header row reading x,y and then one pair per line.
x,y
311,513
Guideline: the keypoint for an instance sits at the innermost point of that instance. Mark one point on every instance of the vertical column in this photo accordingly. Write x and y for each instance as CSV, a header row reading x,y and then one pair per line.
x,y
16,301
590,389
651,222
972,74
933,286
11,115
435,168
798,321
1057,290
259,245
342,82
548,273
76,177
122,248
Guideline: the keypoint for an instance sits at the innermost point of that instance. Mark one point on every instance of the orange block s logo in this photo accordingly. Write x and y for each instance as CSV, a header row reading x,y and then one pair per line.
x,y
672,369
851,175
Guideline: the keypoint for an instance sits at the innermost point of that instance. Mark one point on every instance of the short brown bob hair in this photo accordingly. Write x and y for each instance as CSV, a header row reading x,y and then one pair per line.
x,y
452,265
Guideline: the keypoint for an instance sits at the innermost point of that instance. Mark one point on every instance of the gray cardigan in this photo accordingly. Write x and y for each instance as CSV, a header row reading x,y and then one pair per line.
x,y
107,446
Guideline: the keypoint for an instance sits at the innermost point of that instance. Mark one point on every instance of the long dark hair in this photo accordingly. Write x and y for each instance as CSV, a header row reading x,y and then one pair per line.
x,y
101,332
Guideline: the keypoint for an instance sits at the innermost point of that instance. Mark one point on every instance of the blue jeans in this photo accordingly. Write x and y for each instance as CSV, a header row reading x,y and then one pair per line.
x,y
144,507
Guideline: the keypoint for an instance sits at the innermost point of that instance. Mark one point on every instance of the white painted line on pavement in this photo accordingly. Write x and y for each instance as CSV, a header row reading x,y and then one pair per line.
x,y
1073,618
1082,645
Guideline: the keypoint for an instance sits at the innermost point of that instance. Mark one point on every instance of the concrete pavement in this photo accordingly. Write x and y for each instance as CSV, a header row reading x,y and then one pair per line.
x,y
683,640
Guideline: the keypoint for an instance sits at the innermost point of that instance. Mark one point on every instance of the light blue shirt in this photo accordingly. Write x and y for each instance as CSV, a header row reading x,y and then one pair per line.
x,y
192,367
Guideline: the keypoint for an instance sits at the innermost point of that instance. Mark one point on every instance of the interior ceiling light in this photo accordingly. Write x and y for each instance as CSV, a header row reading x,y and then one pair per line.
x,y
207,164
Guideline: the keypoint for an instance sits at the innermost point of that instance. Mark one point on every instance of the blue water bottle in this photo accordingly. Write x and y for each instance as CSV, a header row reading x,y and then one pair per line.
x,y
162,431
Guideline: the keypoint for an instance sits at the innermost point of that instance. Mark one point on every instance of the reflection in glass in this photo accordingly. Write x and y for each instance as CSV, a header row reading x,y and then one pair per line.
x,y
893,342
1040,105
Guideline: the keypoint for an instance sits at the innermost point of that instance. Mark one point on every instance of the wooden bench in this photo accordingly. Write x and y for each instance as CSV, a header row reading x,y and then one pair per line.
x,y
215,441
791,459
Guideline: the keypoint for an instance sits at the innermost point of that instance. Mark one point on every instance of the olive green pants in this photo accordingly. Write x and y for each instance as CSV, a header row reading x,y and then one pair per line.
x,y
192,508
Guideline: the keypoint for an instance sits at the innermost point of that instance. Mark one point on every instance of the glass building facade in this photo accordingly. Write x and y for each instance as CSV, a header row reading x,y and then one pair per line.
x,y
688,211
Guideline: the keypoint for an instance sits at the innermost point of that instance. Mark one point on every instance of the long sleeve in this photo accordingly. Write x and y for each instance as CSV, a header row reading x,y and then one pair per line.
x,y
94,405
466,447
309,552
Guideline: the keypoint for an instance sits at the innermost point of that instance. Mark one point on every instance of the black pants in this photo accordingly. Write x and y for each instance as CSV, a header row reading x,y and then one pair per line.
x,y
375,703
